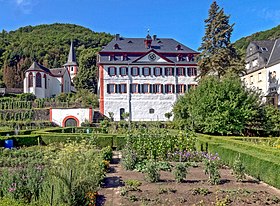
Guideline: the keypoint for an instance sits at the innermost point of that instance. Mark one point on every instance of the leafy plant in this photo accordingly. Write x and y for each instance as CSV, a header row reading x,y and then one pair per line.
x,y
180,171
152,171
133,185
200,191
129,159
238,169
211,167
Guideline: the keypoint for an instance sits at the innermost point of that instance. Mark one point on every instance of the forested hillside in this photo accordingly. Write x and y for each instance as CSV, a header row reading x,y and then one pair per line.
x,y
270,34
48,45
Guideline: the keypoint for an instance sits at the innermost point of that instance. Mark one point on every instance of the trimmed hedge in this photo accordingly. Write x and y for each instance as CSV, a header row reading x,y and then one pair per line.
x,y
259,161
22,140
102,140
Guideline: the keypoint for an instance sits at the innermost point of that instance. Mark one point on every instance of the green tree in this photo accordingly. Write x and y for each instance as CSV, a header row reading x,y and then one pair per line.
x,y
222,106
270,119
217,53
48,45
87,74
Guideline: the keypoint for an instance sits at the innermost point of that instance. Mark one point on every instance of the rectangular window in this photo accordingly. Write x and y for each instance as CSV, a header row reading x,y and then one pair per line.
x,y
123,71
180,88
146,71
157,88
169,88
110,88
112,71
122,88
134,71
180,71
145,88
169,71
134,88
157,71
192,71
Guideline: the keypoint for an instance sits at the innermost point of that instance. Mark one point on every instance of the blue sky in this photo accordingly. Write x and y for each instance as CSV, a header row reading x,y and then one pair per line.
x,y
182,20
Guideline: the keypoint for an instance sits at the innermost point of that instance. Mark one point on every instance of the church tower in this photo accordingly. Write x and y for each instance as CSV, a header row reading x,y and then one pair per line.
x,y
72,65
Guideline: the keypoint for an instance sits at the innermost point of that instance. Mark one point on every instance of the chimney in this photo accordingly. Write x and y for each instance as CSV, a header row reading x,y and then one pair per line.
x,y
154,37
117,37
148,41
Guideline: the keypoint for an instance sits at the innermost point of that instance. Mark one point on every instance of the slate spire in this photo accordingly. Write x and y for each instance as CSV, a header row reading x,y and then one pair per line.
x,y
71,57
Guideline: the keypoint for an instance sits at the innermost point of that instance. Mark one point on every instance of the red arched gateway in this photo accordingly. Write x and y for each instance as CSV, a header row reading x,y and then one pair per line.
x,y
70,121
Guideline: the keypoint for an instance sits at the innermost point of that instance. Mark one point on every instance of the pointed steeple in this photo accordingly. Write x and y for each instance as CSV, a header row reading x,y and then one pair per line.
x,y
71,57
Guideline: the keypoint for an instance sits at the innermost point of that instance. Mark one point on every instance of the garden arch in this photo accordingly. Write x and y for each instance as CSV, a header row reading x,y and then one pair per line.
x,y
70,121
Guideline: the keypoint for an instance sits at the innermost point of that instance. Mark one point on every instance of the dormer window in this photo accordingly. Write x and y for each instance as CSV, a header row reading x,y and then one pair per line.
x,y
116,46
124,57
129,42
178,47
179,57
190,57
264,49
111,57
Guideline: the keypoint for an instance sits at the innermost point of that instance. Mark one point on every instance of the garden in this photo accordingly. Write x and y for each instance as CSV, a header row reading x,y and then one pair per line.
x,y
151,166
58,174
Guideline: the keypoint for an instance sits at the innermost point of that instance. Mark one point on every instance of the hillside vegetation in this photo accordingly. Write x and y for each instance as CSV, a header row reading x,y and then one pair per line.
x,y
47,44
270,34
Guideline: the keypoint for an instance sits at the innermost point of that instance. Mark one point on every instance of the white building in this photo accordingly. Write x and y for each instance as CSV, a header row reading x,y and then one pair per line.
x,y
263,69
144,76
44,82
66,117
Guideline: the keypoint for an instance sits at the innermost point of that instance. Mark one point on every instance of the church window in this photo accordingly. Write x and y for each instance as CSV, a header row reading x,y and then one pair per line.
x,y
46,83
38,80
30,79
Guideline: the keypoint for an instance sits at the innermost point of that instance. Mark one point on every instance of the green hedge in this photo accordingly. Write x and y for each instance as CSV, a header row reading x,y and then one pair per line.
x,y
261,164
22,140
119,141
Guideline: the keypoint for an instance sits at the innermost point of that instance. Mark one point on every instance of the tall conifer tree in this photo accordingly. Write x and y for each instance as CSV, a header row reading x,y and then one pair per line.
x,y
217,53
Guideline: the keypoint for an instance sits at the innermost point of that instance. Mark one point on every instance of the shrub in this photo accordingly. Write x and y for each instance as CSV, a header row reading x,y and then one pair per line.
x,y
211,165
238,169
152,171
129,159
180,171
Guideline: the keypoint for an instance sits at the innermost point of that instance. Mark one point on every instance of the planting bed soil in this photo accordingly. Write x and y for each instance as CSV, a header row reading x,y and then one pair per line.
x,y
195,190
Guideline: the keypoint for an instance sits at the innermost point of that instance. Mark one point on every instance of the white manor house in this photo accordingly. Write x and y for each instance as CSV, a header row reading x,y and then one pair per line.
x,y
144,76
